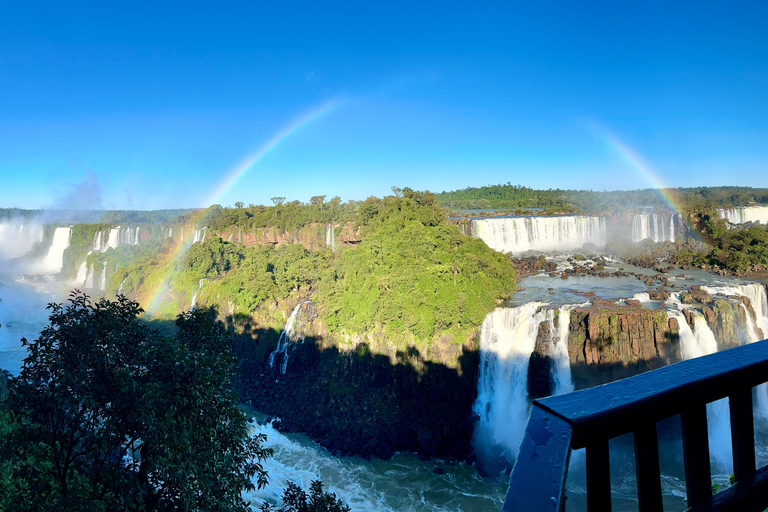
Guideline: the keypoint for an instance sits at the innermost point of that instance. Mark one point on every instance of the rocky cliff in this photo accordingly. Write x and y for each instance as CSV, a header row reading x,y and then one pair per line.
x,y
609,341
312,236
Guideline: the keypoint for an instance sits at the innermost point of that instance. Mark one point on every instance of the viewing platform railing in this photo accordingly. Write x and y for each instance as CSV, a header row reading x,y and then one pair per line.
x,y
591,417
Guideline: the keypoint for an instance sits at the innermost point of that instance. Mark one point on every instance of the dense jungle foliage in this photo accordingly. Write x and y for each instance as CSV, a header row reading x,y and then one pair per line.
x,y
588,201
413,275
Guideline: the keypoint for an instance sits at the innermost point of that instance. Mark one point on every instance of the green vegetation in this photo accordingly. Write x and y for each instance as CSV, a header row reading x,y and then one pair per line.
x,y
107,414
738,250
588,201
281,217
296,500
413,276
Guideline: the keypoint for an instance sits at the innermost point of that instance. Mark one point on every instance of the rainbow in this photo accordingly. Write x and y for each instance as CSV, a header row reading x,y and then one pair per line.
x,y
231,177
633,158
644,169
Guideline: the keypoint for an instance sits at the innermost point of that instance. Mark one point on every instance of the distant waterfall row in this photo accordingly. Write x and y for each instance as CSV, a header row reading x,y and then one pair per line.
x,y
742,214
103,240
520,234
653,225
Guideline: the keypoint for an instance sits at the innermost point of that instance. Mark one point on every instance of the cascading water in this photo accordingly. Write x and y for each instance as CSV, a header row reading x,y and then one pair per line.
x,y
291,334
103,278
652,225
757,328
520,234
742,214
330,237
199,235
507,340
698,342
197,293
54,260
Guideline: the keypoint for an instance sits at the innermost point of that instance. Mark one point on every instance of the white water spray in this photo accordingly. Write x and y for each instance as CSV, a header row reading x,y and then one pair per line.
x,y
507,340
522,234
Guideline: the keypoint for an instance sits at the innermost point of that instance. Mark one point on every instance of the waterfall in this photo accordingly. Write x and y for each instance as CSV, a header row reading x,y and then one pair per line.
x,y
16,240
651,225
507,340
696,343
330,237
136,239
742,214
291,334
114,238
520,234
562,375
54,260
672,228
197,293
89,278
756,293
103,278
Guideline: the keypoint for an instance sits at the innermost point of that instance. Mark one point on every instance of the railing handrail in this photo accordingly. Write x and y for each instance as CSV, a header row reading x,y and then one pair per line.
x,y
590,417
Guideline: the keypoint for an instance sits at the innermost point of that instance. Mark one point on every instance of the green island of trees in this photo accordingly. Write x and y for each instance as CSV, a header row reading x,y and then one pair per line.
x,y
410,275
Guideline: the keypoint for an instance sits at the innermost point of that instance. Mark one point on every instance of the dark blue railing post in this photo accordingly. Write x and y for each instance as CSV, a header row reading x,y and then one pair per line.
x,y
544,453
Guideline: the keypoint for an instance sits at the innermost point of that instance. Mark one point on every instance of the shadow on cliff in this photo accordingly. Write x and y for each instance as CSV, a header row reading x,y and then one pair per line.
x,y
359,402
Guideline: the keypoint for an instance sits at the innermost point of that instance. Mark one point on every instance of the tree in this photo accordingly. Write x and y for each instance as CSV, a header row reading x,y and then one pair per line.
x,y
107,414
277,200
239,205
317,201
296,500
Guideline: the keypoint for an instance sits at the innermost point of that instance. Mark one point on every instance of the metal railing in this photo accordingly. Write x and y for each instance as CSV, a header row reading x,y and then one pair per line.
x,y
591,417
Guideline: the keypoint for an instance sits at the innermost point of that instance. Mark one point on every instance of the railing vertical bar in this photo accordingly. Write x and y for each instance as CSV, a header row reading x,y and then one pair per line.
x,y
742,433
598,477
647,467
543,456
698,477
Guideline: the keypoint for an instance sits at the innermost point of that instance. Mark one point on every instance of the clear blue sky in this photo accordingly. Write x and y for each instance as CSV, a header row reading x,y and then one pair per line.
x,y
152,104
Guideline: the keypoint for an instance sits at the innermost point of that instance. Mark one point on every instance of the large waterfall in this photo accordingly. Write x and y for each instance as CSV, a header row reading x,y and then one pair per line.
x,y
653,225
508,337
54,260
520,234
742,214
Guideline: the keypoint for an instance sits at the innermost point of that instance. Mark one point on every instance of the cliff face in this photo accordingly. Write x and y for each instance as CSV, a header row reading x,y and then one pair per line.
x,y
312,236
608,341
367,399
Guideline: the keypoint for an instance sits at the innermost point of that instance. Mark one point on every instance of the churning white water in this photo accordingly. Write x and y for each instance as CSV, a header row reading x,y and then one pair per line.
x,y
520,234
742,214
402,483
507,340
653,225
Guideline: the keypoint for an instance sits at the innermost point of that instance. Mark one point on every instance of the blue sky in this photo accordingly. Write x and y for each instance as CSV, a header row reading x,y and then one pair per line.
x,y
153,104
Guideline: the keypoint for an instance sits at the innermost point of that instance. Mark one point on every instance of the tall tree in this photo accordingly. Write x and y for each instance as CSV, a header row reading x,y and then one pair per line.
x,y
107,414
